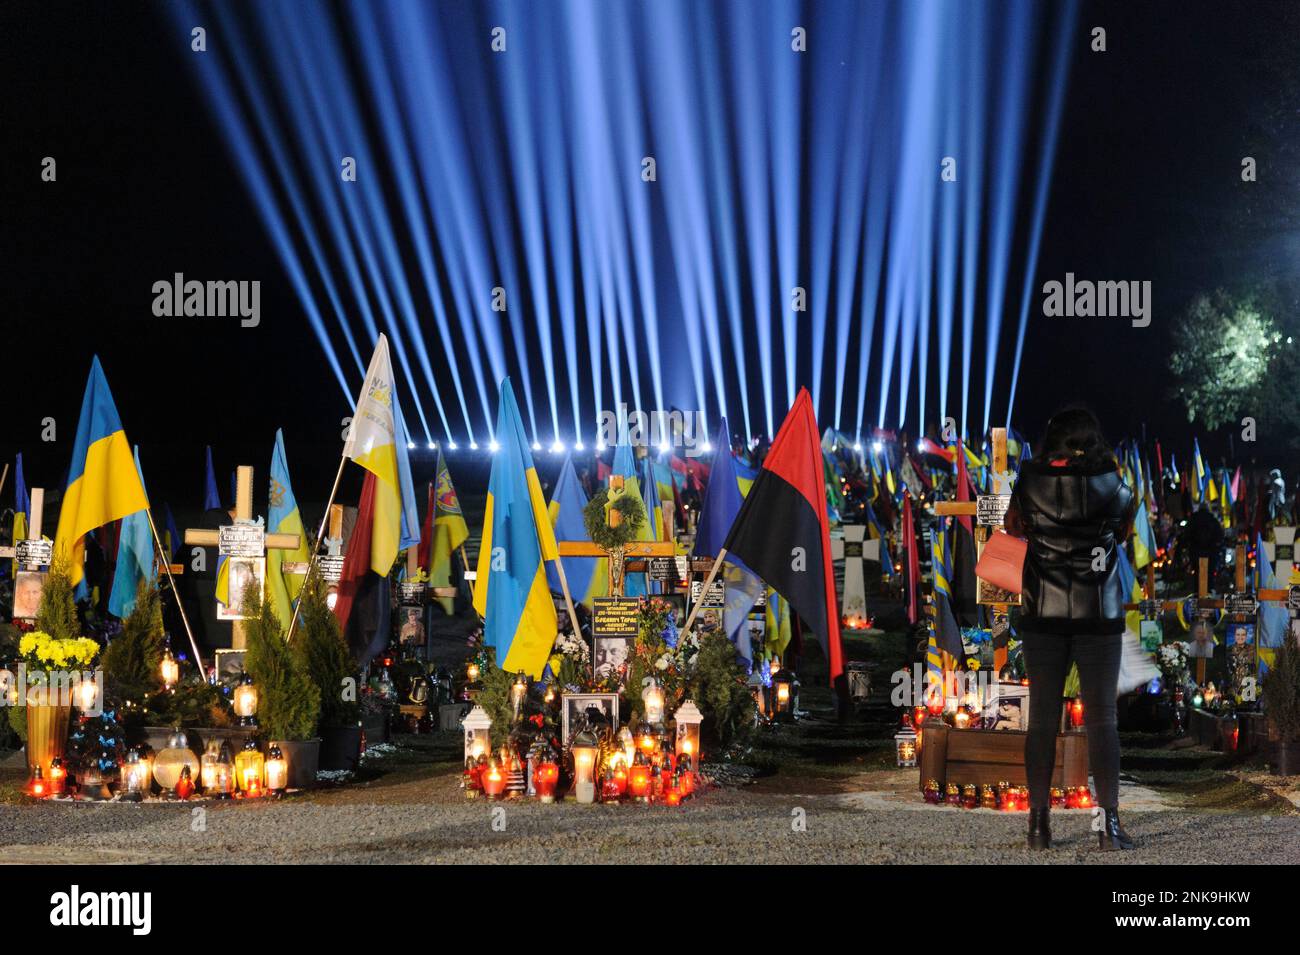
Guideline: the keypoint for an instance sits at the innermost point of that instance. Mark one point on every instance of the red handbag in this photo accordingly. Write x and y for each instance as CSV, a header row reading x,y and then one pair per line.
x,y
1002,562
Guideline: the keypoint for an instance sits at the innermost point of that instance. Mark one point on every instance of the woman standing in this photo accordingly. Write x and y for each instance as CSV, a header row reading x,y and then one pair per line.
x,y
1074,509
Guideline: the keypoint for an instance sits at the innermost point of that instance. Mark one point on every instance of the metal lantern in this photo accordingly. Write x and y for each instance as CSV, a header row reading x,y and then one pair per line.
x,y
785,691
93,784
905,746
652,696
169,669
176,755
250,770
477,728
585,747
245,701
689,718
277,770
217,773
137,776
518,693
86,694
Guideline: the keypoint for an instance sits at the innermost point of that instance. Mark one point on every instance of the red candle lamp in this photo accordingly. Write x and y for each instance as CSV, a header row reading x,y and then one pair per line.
x,y
36,786
1076,713
493,781
638,779
57,781
614,786
545,778
185,785
672,797
1057,798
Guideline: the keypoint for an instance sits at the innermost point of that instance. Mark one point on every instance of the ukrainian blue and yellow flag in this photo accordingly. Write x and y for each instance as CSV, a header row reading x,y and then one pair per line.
x,y
567,503
283,517
103,483
22,508
510,592
1144,538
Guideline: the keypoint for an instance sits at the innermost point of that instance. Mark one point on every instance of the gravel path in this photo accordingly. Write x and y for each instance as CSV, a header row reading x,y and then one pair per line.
x,y
725,827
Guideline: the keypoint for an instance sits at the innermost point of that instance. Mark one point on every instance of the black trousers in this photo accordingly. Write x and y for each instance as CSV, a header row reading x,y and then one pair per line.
x,y
1047,662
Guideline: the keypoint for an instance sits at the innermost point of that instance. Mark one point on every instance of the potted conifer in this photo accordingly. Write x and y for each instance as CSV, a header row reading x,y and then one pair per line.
x,y
322,652
288,702
1282,708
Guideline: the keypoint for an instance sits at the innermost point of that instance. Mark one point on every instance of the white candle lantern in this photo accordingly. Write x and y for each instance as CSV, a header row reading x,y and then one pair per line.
x,y
688,718
477,726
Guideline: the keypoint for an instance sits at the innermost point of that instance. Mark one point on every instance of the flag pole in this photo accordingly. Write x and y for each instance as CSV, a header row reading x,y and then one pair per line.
x,y
573,614
165,560
4,476
315,547
708,582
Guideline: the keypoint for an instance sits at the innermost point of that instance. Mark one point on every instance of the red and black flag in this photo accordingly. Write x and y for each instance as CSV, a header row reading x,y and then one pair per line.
x,y
362,604
783,535
911,560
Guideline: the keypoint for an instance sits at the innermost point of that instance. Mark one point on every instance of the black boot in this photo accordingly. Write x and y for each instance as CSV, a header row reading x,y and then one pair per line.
x,y
1112,835
1040,833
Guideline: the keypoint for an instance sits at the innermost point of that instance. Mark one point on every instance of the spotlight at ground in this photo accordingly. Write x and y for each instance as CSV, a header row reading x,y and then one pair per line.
x,y
493,447
877,446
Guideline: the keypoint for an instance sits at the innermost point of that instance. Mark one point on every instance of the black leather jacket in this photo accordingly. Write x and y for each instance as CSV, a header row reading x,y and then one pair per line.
x,y
1067,512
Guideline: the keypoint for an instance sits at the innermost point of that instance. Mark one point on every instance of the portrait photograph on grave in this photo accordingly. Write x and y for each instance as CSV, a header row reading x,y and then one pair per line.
x,y
520,433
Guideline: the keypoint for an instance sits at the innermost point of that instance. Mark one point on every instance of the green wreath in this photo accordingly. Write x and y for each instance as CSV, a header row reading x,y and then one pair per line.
x,y
602,535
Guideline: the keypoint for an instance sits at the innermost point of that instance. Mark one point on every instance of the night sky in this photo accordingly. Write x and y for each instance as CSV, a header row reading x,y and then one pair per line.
x,y
1146,186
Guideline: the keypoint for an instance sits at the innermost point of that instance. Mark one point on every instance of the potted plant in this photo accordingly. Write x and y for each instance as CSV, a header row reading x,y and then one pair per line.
x,y
288,702
1282,708
323,654
48,653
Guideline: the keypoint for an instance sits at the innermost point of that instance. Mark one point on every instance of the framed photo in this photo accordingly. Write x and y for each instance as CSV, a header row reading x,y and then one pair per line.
x,y
1202,645
1007,707
1151,635
575,705
612,654
411,628
243,571
1241,635
28,586
230,666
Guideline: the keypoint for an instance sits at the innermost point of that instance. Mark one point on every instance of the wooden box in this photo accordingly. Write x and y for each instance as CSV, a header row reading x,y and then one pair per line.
x,y
987,757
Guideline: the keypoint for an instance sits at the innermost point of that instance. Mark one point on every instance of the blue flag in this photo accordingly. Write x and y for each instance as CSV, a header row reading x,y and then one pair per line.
x,y
717,513
211,499
567,501
134,558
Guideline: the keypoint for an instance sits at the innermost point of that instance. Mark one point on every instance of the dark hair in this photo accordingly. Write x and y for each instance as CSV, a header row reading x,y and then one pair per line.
x,y
1075,433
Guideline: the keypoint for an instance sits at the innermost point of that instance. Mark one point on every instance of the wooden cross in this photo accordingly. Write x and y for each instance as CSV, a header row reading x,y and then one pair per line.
x,y
243,515
1203,599
634,549
970,509
37,497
